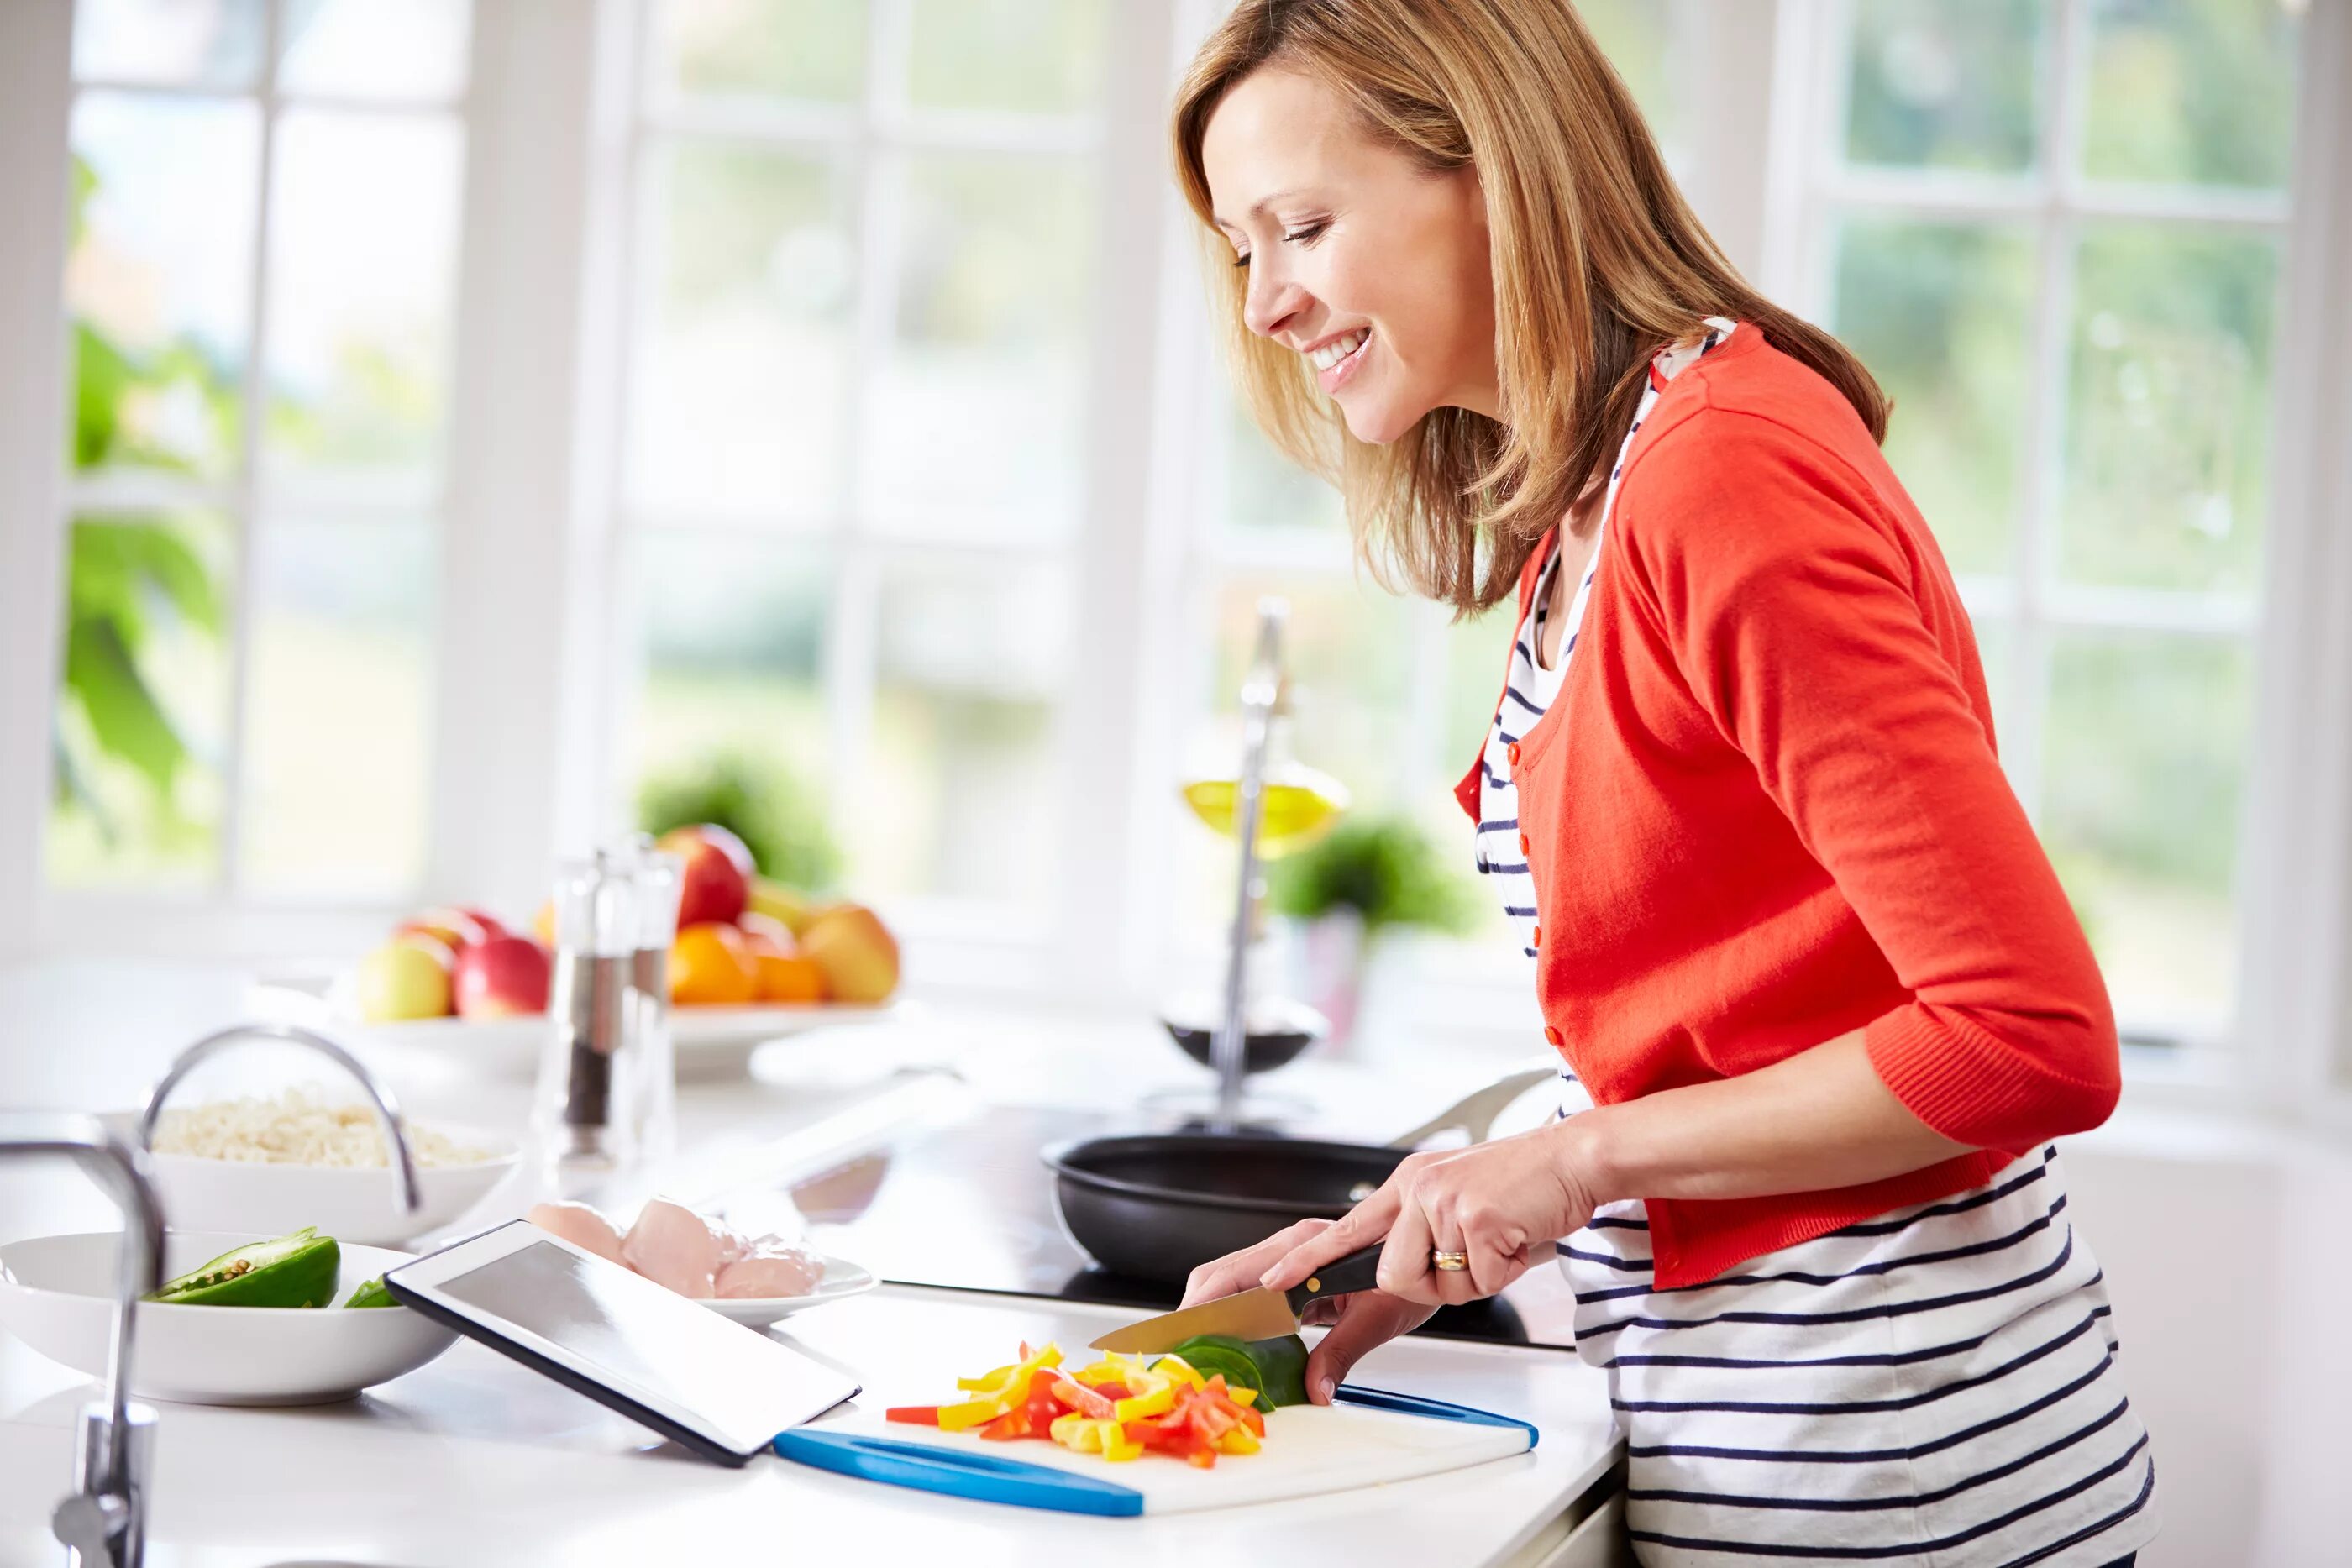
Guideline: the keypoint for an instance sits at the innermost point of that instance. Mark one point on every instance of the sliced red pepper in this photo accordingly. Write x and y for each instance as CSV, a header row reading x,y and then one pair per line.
x,y
913,1414
1089,1402
1011,1424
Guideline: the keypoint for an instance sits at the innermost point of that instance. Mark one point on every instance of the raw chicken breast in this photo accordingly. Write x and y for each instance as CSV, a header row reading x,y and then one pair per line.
x,y
581,1225
774,1269
671,1245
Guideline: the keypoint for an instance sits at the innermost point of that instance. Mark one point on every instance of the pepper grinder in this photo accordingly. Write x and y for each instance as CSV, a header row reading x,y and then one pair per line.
x,y
656,878
585,1070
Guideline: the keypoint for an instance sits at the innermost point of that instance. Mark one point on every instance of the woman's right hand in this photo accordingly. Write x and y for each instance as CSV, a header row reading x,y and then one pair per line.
x,y
1360,1322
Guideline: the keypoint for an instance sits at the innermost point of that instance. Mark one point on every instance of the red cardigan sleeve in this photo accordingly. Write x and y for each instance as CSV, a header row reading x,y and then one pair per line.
x,y
1790,601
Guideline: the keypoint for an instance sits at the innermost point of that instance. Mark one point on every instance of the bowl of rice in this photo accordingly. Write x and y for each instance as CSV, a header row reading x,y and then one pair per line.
x,y
273,1166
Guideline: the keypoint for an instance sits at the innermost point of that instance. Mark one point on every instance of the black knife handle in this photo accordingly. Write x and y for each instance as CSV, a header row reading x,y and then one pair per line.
x,y
1356,1271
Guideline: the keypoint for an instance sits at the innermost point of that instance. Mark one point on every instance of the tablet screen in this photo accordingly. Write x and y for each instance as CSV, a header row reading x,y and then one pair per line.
x,y
647,1342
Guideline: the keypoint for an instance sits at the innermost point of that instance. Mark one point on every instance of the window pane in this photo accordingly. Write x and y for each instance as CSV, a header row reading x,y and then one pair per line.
x,y
2167,444
1264,489
1997,652
375,49
364,253
805,49
1037,56
183,43
1638,36
1942,314
1945,84
964,795
742,381
338,703
2144,759
159,280
976,415
730,633
143,710
2196,91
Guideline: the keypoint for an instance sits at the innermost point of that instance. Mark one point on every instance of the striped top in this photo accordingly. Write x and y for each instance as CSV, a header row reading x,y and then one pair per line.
x,y
1501,849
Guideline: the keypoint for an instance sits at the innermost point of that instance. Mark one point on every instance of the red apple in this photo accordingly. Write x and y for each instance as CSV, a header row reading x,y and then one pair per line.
x,y
505,976
715,879
458,926
675,839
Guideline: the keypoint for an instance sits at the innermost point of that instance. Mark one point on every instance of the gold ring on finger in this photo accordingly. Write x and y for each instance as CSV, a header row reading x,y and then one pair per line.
x,y
1451,1263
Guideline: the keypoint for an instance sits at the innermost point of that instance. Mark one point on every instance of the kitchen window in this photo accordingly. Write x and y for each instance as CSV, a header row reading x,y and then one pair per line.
x,y
258,300
439,419
850,487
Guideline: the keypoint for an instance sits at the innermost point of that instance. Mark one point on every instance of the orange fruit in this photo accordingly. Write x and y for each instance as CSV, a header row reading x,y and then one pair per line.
x,y
710,966
789,977
783,975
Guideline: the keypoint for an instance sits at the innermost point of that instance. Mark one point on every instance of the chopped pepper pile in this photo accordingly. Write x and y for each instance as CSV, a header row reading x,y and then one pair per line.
x,y
1118,1407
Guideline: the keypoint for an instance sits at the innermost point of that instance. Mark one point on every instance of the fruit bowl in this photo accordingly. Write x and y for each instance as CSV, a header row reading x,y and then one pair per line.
x,y
56,1294
710,1042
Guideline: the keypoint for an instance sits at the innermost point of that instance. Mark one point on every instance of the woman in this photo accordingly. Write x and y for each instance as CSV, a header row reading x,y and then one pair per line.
x,y
1788,925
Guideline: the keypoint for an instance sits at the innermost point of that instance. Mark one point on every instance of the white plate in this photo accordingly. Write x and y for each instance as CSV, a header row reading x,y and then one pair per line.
x,y
56,1294
709,1042
357,1204
841,1279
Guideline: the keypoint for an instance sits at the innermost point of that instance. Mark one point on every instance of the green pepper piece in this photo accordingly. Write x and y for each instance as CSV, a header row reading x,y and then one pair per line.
x,y
370,1293
297,1270
1276,1367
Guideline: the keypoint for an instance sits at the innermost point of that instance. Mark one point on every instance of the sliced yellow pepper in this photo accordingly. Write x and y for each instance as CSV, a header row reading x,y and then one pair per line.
x,y
1087,1434
1177,1368
1012,1375
1157,1402
974,1412
1112,1368
1240,1440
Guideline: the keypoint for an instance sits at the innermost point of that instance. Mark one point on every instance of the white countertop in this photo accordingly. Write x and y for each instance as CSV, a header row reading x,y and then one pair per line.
x,y
474,1459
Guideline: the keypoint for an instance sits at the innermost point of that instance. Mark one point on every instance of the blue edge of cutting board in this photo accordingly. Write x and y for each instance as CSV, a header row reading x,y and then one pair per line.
x,y
988,1478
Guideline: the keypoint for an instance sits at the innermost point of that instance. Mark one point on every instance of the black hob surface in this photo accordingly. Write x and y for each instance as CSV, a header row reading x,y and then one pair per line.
x,y
970,1206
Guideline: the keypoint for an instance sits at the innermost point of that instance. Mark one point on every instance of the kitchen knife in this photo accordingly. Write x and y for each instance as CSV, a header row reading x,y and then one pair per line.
x,y
1257,1313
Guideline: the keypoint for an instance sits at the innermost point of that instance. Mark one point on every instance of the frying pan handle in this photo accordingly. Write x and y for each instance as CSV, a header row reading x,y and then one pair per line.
x,y
1476,1113
1356,1271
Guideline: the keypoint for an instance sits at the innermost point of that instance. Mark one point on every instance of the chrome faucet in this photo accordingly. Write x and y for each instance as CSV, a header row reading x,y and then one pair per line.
x,y
103,1522
386,1107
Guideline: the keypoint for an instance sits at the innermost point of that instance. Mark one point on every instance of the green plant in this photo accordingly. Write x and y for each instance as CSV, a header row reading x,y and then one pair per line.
x,y
778,818
1381,867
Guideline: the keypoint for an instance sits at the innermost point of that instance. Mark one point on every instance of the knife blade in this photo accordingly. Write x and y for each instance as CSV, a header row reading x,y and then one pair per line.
x,y
1258,1313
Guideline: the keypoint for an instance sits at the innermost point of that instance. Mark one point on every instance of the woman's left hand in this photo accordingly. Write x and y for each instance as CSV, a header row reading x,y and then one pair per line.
x,y
1502,1204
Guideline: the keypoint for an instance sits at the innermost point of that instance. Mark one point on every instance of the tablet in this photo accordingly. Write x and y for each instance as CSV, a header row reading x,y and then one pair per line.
x,y
719,1389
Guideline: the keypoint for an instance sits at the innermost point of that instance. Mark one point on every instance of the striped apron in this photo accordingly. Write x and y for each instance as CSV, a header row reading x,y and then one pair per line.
x,y
1935,1385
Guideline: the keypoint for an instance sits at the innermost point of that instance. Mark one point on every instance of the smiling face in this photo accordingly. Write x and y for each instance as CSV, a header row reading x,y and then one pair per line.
x,y
1371,266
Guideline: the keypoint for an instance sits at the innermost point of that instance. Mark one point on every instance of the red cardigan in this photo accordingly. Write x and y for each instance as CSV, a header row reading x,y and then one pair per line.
x,y
1765,811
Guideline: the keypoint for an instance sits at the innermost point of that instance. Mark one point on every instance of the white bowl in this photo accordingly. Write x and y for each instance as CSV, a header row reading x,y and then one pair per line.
x,y
842,1278
56,1294
355,1204
706,1043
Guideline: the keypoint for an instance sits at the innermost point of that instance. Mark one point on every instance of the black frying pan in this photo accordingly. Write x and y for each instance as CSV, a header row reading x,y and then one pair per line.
x,y
1158,1206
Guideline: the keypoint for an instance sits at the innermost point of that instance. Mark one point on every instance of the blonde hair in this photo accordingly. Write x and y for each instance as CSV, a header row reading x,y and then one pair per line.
x,y
1598,264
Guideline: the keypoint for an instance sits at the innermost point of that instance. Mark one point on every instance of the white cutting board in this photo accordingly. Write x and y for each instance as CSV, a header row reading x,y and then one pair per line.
x,y
1308,1450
